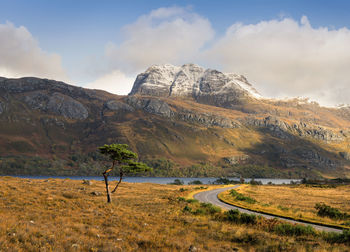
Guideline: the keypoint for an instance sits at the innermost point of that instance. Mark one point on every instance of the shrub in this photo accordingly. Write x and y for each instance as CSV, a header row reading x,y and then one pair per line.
x,y
248,218
195,182
200,187
187,209
225,181
202,208
199,211
177,182
241,197
254,182
294,230
191,201
181,199
210,208
235,216
324,210
332,237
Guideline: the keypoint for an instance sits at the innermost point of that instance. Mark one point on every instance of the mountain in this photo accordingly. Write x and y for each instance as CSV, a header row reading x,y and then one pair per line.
x,y
183,121
192,81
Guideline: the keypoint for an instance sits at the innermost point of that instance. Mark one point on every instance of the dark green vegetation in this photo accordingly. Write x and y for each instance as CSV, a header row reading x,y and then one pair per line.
x,y
202,209
124,159
195,182
236,216
324,210
343,237
294,230
241,197
51,128
177,182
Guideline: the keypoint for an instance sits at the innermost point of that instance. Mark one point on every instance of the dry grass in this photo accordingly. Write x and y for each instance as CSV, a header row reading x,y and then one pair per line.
x,y
296,201
63,215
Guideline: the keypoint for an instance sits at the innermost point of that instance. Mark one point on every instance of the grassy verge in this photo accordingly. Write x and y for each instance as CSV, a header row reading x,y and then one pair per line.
x,y
248,202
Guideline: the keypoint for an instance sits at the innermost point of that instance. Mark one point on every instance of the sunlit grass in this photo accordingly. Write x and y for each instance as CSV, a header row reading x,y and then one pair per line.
x,y
63,215
297,201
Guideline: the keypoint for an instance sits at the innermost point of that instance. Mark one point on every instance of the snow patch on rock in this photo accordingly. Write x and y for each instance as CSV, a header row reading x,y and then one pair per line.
x,y
190,80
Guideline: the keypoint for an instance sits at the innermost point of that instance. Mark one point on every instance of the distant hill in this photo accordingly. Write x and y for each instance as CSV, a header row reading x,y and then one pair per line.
x,y
184,121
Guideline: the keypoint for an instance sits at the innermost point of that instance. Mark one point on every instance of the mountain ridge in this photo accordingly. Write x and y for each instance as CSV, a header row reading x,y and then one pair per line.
x,y
49,127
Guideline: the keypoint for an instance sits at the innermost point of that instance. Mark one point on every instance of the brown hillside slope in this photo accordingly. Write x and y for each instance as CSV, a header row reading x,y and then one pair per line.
x,y
49,127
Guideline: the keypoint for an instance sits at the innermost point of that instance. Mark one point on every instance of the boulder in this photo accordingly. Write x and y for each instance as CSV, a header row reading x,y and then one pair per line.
x,y
117,105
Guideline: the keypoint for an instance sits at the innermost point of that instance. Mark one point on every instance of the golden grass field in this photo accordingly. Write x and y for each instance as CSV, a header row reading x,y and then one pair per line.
x,y
295,201
63,215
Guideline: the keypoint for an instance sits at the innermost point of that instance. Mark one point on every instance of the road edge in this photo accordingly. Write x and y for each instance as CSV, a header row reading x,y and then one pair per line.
x,y
281,216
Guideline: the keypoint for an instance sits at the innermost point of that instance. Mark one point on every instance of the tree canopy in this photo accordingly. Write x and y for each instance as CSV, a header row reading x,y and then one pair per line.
x,y
125,159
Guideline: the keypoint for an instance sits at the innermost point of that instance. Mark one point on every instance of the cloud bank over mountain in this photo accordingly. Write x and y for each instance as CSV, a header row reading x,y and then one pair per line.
x,y
20,55
288,58
282,57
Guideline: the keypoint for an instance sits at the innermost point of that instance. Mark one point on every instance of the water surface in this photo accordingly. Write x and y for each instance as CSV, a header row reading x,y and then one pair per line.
x,y
160,180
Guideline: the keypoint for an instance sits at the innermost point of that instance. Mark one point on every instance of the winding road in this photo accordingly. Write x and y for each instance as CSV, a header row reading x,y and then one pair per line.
x,y
211,196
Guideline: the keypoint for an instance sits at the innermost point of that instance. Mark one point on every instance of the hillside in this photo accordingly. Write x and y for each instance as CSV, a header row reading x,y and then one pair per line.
x,y
184,121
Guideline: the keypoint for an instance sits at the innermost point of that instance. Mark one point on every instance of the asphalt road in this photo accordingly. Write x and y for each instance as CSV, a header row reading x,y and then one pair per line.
x,y
211,196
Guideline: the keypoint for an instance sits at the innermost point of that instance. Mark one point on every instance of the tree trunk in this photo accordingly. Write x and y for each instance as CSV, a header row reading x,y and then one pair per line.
x,y
105,175
107,188
120,180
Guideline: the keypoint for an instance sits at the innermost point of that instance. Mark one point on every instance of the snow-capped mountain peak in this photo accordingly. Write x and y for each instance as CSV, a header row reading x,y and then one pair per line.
x,y
191,80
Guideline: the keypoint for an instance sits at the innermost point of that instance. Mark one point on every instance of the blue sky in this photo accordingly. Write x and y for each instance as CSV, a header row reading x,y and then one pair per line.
x,y
89,36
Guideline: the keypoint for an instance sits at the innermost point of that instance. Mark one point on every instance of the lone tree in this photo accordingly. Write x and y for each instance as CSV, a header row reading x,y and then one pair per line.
x,y
124,159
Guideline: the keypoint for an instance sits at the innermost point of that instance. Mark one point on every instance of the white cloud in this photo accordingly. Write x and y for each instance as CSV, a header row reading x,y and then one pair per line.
x,y
114,82
282,57
165,35
288,58
20,55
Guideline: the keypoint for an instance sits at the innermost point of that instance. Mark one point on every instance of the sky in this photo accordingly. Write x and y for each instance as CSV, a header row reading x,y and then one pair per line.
x,y
284,48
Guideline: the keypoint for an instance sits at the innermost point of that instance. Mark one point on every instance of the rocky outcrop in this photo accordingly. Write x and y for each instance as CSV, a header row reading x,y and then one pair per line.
x,y
153,106
58,104
314,158
1,108
206,119
117,105
234,160
204,85
161,108
276,126
318,132
285,130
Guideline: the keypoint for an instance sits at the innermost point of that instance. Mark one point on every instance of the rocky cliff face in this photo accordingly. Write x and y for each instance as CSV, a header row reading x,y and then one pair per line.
x,y
204,85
